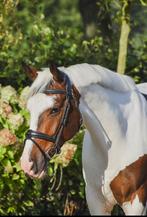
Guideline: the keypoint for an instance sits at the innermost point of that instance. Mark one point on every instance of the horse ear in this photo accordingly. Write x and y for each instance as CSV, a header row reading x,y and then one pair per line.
x,y
57,74
30,71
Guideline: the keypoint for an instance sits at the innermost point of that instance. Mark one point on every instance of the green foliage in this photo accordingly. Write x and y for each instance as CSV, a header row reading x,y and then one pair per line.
x,y
22,24
30,35
40,32
15,195
37,32
13,184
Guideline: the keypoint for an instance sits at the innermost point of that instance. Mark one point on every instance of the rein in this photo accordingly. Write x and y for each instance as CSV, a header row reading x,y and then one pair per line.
x,y
31,134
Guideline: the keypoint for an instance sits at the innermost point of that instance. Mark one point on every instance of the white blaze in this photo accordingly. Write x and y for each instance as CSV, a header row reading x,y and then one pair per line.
x,y
37,104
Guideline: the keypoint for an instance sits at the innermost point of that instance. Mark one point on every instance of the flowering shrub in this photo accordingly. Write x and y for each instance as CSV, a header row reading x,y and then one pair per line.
x,y
13,125
8,94
19,194
66,155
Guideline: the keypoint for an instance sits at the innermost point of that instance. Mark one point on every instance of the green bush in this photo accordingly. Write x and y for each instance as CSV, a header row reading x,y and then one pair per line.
x,y
30,35
41,32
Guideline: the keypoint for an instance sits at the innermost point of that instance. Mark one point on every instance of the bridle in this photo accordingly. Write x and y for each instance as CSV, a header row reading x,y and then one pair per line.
x,y
31,134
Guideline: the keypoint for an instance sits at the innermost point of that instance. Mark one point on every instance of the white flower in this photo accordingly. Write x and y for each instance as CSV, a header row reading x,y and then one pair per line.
x,y
67,152
6,137
23,97
9,94
5,109
15,120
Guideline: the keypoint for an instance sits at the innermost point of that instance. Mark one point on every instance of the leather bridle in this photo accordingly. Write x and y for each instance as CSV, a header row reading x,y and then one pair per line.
x,y
31,134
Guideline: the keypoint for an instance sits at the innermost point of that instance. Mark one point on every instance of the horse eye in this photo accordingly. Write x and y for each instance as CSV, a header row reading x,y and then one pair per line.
x,y
54,110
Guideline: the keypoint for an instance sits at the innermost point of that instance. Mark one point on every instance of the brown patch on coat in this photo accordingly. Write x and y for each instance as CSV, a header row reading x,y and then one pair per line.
x,y
131,181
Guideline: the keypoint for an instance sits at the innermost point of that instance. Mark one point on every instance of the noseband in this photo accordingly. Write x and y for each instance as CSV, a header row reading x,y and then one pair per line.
x,y
55,138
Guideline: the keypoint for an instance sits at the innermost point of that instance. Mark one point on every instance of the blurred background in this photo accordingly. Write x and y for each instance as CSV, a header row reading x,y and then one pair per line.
x,y
111,33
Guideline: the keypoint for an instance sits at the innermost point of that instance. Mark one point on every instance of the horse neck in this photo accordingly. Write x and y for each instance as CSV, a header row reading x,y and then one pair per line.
x,y
93,125
95,128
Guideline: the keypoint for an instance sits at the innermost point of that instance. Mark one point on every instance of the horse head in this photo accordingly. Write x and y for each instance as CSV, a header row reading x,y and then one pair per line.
x,y
54,118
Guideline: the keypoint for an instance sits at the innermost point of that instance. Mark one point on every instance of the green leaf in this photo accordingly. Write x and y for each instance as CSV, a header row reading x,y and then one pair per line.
x,y
15,176
11,154
2,152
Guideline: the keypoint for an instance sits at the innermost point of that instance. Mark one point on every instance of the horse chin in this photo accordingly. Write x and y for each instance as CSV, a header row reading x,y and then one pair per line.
x,y
40,175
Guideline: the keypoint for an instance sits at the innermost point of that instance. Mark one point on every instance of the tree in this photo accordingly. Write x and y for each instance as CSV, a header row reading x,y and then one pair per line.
x,y
96,17
125,30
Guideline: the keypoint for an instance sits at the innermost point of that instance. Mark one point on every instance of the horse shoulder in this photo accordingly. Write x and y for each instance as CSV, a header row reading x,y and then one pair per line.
x,y
131,183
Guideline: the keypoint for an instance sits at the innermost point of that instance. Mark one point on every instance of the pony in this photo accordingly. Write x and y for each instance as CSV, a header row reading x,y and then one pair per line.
x,y
113,110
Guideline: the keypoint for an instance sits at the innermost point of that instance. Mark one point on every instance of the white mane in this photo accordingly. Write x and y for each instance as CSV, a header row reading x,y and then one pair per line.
x,y
84,75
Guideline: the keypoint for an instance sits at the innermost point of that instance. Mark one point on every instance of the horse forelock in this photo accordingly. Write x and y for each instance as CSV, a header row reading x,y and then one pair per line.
x,y
42,80
38,102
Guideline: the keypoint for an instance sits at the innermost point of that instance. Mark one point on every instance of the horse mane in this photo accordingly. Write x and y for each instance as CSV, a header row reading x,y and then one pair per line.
x,y
83,75
86,74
